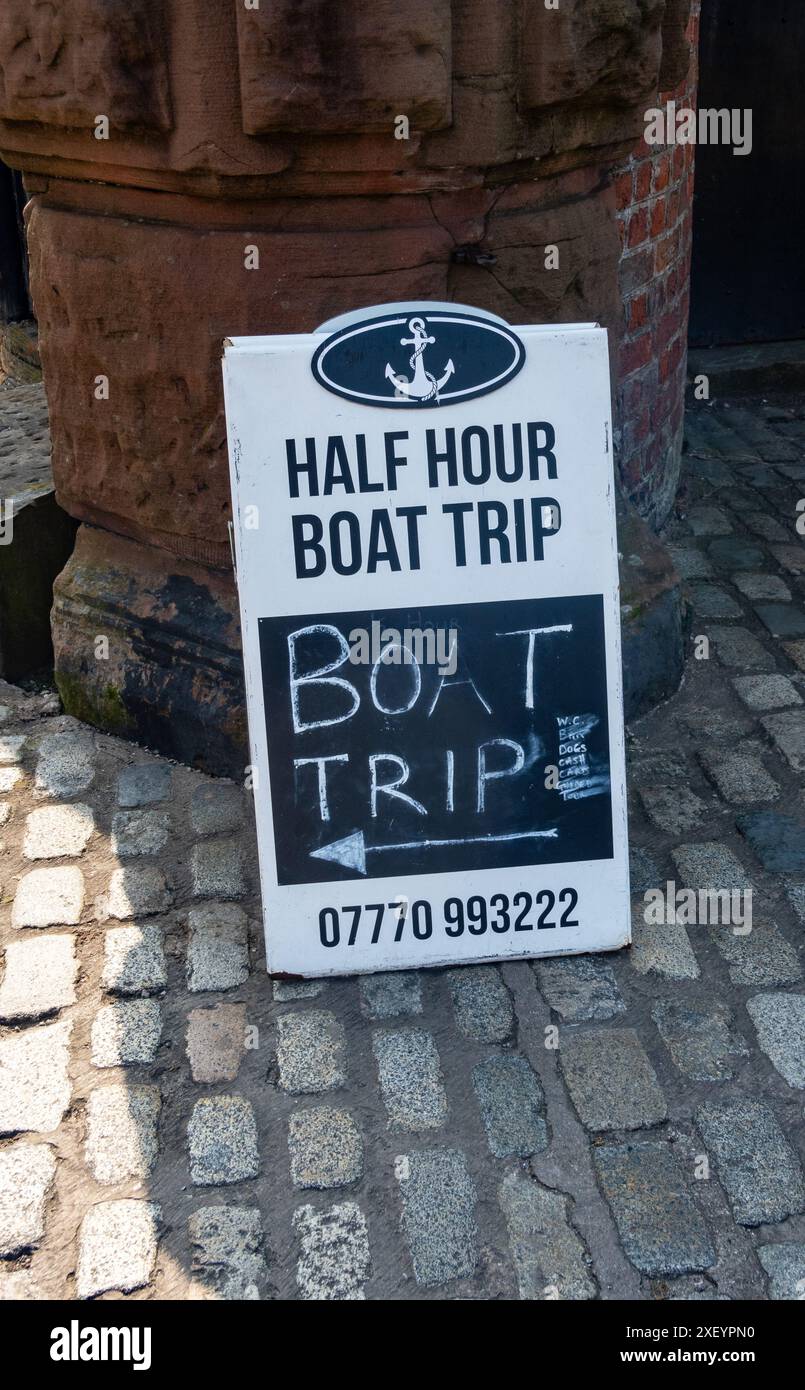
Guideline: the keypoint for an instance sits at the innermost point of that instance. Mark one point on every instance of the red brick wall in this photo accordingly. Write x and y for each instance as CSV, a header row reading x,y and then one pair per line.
x,y
655,195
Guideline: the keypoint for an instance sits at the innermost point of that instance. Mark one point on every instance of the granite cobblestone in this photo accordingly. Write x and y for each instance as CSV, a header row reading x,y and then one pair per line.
x,y
482,1131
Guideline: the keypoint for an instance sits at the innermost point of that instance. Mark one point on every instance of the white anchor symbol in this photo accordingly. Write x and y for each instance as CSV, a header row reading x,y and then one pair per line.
x,y
424,386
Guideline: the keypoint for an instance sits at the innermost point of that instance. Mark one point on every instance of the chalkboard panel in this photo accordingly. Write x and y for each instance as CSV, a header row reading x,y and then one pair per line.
x,y
489,751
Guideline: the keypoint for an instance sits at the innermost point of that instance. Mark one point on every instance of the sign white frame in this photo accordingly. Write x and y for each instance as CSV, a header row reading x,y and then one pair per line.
x,y
271,396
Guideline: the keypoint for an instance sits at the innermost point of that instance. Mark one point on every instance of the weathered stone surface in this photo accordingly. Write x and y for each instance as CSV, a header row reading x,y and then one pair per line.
x,y
52,832
611,1080
438,1219
705,722
139,890
701,1041
134,960
34,1084
215,808
763,957
603,52
482,1003
738,648
796,650
9,777
286,991
39,977
184,369
661,948
117,1247
410,1079
780,1023
390,994
26,1174
785,1266
549,1257
767,692
228,1253
512,1106
777,840
710,865
782,619
766,527
759,1170
334,1262
19,1287
325,1147
216,1039
740,777
736,554
122,1132
644,872
713,601
61,64
139,832
675,809
791,557
218,950
665,769
110,579
795,892
788,732
200,651
690,562
125,1033
66,764
222,1139
709,521
142,784
311,1052
49,898
657,1219
293,67
762,586
217,869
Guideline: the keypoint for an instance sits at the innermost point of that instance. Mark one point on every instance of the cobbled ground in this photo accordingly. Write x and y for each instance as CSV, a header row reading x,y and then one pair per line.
x,y
628,1126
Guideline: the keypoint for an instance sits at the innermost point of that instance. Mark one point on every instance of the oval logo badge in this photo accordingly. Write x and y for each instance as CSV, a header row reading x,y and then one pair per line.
x,y
418,359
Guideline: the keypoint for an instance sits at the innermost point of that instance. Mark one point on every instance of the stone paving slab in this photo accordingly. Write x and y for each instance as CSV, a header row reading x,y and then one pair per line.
x,y
175,1125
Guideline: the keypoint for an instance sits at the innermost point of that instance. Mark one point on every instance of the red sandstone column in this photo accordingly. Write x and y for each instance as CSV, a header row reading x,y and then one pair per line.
x,y
260,170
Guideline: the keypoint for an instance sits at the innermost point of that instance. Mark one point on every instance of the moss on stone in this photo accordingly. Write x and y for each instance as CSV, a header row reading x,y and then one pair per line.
x,y
104,708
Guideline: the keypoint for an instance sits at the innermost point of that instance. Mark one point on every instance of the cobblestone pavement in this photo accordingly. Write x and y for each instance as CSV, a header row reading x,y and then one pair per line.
x,y
174,1126
24,439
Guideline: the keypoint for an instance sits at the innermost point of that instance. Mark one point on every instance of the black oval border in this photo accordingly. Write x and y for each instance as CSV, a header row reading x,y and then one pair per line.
x,y
391,404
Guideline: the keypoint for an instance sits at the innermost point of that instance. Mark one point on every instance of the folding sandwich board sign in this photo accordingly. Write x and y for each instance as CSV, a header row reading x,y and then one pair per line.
x,y
426,555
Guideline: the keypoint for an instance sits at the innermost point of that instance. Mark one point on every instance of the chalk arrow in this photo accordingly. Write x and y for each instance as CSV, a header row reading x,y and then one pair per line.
x,y
351,851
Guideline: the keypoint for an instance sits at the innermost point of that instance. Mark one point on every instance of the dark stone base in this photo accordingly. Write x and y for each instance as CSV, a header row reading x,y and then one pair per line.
x,y
41,542
173,678
653,616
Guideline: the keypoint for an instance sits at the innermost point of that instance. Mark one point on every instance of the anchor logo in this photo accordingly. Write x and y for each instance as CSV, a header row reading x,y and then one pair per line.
x,y
349,362
423,386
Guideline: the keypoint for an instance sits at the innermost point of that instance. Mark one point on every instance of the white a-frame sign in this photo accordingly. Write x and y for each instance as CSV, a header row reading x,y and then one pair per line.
x,y
426,556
